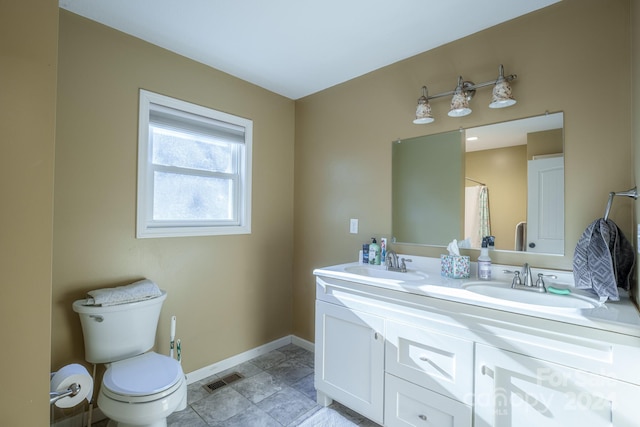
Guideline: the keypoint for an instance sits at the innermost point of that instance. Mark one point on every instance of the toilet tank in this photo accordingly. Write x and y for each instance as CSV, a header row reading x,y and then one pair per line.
x,y
120,331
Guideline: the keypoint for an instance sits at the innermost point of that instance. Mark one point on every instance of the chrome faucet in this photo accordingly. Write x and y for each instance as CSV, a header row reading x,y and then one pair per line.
x,y
391,260
403,266
526,274
528,284
392,264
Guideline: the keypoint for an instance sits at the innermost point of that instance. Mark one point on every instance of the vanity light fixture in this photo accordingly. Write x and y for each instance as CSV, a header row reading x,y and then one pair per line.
x,y
463,93
460,100
502,96
423,111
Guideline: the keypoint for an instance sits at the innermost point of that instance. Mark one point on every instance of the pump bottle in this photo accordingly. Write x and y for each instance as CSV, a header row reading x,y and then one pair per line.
x,y
374,252
484,261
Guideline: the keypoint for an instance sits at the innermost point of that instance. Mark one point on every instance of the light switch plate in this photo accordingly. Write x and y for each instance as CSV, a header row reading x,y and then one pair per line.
x,y
353,226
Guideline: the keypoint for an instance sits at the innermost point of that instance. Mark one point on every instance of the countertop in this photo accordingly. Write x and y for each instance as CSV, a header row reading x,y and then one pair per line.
x,y
423,278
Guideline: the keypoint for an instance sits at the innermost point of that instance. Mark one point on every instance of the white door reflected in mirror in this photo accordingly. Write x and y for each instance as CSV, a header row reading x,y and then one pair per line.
x,y
545,205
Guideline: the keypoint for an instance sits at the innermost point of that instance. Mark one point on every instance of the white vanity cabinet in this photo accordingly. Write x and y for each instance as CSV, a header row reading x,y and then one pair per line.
x,y
349,359
385,366
403,359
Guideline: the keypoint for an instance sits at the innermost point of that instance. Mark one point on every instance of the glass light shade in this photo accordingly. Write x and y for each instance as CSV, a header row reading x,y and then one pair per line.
x,y
459,105
501,96
424,121
423,112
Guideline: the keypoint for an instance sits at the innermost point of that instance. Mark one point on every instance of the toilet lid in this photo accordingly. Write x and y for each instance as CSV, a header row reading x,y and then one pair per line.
x,y
148,373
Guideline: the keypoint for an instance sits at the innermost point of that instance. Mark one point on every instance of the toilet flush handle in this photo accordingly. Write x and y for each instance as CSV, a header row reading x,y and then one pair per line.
x,y
97,318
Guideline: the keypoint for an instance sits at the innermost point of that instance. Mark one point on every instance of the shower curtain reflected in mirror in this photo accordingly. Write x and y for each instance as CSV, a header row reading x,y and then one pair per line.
x,y
477,223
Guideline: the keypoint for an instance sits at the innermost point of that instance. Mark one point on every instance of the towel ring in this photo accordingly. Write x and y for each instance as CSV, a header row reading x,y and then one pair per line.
x,y
629,193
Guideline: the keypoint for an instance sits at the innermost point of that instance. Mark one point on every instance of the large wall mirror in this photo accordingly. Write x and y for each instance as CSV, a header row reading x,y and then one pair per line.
x,y
505,180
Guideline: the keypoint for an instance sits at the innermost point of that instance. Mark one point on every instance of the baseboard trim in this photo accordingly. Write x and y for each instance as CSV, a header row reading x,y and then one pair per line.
x,y
307,345
207,371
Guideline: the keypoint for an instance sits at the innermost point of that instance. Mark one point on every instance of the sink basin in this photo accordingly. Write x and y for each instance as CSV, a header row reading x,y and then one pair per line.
x,y
381,273
504,292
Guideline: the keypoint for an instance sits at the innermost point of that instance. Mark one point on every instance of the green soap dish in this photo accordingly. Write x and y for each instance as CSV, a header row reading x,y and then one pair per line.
x,y
557,291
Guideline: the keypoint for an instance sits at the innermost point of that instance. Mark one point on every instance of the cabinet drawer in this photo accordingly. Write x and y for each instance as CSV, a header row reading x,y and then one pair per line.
x,y
433,360
521,391
407,404
592,350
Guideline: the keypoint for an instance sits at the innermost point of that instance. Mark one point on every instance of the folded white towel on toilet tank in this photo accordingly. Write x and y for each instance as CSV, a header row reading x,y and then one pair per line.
x,y
137,291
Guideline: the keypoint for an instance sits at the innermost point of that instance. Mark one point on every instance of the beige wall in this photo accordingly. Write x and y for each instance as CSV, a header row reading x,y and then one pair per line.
x,y
229,293
571,57
504,171
545,143
27,118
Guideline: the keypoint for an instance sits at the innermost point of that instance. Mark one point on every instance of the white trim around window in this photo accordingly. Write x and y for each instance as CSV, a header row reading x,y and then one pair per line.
x,y
194,170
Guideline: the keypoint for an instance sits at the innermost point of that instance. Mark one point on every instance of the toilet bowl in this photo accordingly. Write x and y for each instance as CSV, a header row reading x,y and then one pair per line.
x,y
143,390
139,388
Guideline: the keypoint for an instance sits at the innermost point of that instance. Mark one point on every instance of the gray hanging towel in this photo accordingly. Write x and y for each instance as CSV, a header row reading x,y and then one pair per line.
x,y
603,260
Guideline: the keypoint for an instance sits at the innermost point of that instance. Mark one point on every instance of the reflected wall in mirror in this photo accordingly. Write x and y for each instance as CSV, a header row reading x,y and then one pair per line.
x,y
427,179
507,180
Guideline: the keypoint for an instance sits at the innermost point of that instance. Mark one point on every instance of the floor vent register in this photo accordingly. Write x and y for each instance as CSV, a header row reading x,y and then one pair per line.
x,y
215,385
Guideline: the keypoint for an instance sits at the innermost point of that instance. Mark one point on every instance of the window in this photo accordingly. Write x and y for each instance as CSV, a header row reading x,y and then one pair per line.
x,y
194,170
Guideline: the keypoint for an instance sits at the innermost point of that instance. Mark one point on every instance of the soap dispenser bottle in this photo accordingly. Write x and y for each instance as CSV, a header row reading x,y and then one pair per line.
x,y
484,261
374,252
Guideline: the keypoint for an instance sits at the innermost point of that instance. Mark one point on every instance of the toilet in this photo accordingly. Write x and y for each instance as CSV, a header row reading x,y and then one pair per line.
x,y
139,388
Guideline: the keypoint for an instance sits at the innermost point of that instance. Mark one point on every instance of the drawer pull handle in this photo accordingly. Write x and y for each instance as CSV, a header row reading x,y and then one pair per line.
x,y
485,370
422,417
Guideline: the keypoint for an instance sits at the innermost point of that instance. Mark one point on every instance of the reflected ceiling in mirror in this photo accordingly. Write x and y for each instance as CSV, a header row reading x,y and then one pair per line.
x,y
511,173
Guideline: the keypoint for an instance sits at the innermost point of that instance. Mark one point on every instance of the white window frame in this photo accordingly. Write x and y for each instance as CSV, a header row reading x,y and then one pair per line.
x,y
146,226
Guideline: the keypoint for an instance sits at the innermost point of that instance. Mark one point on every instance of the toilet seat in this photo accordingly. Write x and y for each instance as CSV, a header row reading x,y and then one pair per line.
x,y
149,376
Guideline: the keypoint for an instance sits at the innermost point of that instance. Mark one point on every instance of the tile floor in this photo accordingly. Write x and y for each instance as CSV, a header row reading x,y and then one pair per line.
x,y
277,390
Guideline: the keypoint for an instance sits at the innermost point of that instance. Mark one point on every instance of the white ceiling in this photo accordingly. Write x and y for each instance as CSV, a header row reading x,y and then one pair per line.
x,y
507,134
299,47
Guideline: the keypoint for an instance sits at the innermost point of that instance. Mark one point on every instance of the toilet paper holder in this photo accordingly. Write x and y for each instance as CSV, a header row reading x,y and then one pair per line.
x,y
54,396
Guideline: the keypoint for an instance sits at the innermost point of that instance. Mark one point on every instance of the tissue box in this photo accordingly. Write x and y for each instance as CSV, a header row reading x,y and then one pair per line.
x,y
454,267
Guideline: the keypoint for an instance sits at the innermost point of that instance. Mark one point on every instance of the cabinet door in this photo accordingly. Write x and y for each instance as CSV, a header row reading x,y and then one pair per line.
x,y
516,390
349,363
407,404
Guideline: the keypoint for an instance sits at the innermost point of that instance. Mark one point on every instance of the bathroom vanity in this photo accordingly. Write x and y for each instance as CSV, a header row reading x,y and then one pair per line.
x,y
423,350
